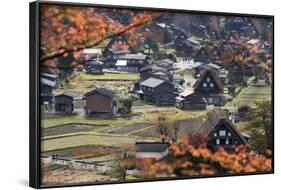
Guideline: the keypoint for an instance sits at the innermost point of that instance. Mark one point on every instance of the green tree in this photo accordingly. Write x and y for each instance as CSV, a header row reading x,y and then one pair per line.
x,y
260,126
153,46
127,104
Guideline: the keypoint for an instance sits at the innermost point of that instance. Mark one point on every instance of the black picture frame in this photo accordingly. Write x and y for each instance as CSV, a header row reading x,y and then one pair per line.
x,y
34,90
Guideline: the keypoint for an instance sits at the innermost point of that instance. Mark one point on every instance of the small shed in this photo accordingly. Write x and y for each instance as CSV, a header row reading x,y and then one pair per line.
x,y
188,100
100,102
64,102
156,150
94,67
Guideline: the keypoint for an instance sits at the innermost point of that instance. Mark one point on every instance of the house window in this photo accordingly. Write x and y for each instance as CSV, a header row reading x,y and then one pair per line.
x,y
215,134
222,133
210,100
217,141
226,141
211,84
204,84
229,134
208,79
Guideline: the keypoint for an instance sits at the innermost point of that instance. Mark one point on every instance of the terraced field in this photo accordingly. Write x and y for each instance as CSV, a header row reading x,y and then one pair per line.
x,y
83,140
250,95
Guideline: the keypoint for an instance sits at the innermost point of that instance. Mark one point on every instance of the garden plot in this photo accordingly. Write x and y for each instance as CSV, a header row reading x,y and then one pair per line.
x,y
83,152
128,129
251,95
68,128
185,127
83,140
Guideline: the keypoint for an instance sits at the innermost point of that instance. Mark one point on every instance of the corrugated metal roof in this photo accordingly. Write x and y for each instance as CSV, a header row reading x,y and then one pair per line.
x,y
92,51
103,91
187,92
70,94
121,63
151,146
152,82
48,82
138,56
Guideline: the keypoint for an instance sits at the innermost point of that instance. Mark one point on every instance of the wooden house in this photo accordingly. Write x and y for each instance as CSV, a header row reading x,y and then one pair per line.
x,y
186,48
235,23
166,63
46,91
178,79
161,75
157,91
48,76
120,40
221,131
64,103
188,100
243,25
196,68
236,73
91,54
199,30
111,55
94,67
100,102
210,87
153,71
131,62
203,56
147,71
155,150
204,67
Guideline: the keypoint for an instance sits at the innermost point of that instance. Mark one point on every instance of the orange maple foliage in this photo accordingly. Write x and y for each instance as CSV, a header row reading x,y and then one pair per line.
x,y
185,159
68,30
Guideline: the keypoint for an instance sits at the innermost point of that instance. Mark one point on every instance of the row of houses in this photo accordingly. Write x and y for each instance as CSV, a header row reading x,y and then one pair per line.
x,y
100,102
156,87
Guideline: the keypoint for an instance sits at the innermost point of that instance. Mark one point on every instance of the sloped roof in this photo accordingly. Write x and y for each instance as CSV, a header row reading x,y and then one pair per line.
x,y
153,68
53,76
203,50
121,63
95,62
92,51
196,64
151,146
187,92
48,82
159,73
216,116
152,82
210,65
138,56
69,94
119,51
103,91
167,61
214,76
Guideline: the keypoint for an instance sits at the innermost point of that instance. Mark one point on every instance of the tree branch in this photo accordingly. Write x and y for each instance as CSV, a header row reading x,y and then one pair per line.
x,y
122,31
